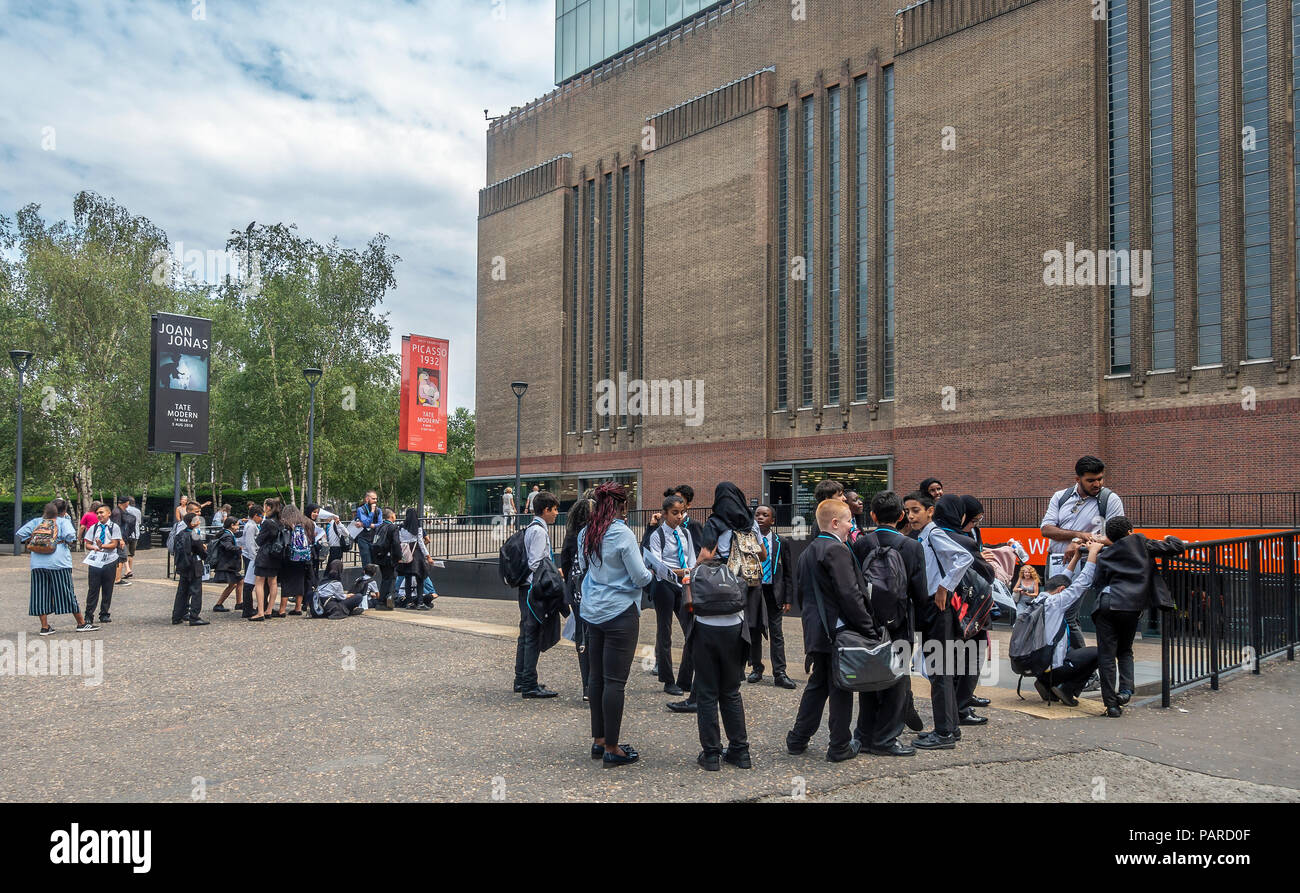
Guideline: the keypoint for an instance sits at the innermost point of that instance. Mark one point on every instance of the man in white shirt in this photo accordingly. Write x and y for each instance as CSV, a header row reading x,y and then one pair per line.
x,y
1078,512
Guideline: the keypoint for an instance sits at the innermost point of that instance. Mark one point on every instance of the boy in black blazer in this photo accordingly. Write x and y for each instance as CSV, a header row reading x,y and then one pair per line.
x,y
770,601
827,569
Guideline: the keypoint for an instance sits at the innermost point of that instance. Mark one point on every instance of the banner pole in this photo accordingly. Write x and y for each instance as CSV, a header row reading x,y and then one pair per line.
x,y
176,488
422,486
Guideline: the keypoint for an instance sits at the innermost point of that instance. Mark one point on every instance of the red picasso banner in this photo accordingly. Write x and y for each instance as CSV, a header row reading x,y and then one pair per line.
x,y
422,424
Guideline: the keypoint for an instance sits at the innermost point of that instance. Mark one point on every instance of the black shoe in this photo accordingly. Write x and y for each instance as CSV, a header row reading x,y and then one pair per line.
x,y
1113,712
654,671
913,720
934,741
1124,696
295,613
671,688
612,759
107,619
1066,698
176,622
540,691
220,609
956,733
199,621
518,687
710,761
980,702
894,750
683,706
795,747
971,718
1043,691
753,677
783,681
848,753
739,759
250,619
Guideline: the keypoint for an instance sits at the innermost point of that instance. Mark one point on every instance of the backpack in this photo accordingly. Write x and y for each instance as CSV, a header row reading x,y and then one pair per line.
x,y
512,559
972,601
715,589
280,548
1030,649
744,559
299,545
345,539
381,549
886,585
127,526
1103,500
44,539
406,551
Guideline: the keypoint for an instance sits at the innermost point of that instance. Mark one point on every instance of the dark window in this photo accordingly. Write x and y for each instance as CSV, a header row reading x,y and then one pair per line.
x,y
887,304
1121,293
862,285
783,256
807,134
1255,201
833,286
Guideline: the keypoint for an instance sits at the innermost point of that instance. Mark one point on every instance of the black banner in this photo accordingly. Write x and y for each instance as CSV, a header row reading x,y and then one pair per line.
x,y
178,399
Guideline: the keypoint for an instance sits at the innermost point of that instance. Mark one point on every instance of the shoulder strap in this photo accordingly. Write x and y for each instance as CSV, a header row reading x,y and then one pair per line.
x,y
1103,500
934,552
1065,494
662,537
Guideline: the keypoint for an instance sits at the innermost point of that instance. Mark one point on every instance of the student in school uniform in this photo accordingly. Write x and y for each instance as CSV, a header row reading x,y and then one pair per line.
x,y
51,573
950,517
776,591
827,575
670,553
126,523
225,562
537,546
1070,667
882,715
190,552
266,570
945,565
413,541
720,644
828,488
103,539
578,515
248,551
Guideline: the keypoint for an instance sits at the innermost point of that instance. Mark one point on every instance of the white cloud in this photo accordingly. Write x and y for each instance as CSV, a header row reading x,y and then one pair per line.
x,y
347,118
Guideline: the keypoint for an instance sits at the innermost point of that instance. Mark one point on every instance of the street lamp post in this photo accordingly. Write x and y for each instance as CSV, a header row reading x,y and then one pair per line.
x,y
312,374
20,359
519,387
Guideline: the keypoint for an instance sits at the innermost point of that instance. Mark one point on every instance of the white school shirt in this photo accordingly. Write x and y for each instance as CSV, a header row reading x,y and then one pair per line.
x,y
663,558
111,532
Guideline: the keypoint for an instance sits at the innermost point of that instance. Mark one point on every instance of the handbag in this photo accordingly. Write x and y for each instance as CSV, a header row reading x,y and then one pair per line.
x,y
857,663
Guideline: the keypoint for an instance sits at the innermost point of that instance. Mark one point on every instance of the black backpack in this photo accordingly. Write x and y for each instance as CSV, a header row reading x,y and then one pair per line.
x,y
513,559
281,548
715,589
972,601
381,547
887,576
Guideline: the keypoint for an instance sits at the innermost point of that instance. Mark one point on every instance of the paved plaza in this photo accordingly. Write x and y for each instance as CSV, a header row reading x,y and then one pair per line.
x,y
407,706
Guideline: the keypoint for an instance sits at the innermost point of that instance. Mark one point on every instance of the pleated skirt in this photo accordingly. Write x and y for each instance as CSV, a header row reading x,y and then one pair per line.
x,y
52,592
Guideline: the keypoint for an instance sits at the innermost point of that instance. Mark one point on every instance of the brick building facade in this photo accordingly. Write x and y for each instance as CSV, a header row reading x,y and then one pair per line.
x,y
840,225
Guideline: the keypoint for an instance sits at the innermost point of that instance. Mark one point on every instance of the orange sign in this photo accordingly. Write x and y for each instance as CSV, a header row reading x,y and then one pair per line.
x,y
1036,544
422,421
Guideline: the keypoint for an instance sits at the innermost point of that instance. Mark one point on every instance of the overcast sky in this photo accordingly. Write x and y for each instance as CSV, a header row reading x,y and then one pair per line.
x,y
347,117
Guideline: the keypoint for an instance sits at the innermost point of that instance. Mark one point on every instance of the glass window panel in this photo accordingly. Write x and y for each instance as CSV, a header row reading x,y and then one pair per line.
x,y
642,23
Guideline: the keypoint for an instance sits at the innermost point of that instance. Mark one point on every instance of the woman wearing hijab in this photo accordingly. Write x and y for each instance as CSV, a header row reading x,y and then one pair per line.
x,y
931,487
720,645
974,510
950,515
579,515
613,576
413,562
332,588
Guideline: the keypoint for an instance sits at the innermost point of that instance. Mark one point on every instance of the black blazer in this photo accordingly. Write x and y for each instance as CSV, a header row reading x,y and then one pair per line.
x,y
1128,568
839,578
913,554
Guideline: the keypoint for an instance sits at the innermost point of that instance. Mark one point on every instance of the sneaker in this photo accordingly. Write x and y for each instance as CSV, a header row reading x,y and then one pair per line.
x,y
711,762
124,582
47,630
87,627
106,619
740,759
1065,697
1093,683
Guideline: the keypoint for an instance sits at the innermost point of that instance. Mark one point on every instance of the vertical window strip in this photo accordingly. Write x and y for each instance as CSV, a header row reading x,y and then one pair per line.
x,y
887,306
607,278
574,327
1160,107
640,268
782,256
1209,283
589,212
626,174
1255,200
807,133
862,287
1121,293
1295,99
833,289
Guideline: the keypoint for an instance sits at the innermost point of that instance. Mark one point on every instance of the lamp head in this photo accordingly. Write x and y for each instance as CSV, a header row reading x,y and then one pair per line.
x,y
20,359
312,374
519,387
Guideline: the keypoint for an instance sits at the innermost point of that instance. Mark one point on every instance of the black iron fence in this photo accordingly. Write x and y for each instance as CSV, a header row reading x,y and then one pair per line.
x,y
1236,603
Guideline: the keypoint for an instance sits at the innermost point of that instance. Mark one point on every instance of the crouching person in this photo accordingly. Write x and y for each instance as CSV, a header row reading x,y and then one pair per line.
x,y
1070,667
329,599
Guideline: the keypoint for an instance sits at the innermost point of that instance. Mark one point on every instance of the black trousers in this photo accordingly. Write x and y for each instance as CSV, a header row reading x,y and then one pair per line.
x,y
1072,676
610,648
101,582
666,599
1115,632
336,553
1072,621
719,669
189,599
880,715
939,636
387,579
686,672
776,637
526,645
966,682
812,704
580,637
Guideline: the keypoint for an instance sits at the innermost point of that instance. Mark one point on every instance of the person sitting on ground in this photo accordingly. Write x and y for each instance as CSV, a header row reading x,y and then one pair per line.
x,y
1071,667
1028,586
329,599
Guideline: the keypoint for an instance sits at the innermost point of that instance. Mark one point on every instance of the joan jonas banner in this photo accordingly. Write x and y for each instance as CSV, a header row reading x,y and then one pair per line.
x,y
422,426
178,396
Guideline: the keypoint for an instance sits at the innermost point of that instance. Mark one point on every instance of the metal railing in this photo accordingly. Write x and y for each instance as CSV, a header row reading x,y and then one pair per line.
x,y
1236,604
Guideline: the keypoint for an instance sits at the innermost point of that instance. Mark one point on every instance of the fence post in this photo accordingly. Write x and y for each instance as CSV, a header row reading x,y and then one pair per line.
x,y
1213,592
1253,584
1289,587
1164,658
